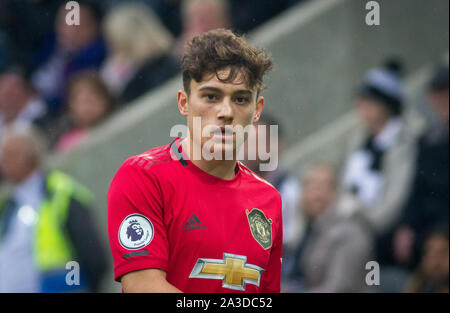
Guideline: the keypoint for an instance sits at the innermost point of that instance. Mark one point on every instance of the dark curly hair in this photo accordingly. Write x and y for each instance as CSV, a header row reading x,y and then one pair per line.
x,y
217,49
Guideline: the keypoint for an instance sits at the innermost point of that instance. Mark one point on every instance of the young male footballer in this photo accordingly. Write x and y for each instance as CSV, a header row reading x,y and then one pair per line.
x,y
182,222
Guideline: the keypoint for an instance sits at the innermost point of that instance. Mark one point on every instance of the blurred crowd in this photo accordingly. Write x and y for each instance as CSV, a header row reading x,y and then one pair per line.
x,y
58,82
66,79
388,202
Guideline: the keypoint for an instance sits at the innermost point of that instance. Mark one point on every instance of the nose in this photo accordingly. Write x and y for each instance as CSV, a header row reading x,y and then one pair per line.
x,y
225,110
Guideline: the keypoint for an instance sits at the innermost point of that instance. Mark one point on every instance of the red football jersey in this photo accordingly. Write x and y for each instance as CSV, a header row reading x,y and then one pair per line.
x,y
208,234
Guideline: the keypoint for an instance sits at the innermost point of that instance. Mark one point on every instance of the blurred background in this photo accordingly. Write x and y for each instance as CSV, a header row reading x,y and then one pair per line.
x,y
363,123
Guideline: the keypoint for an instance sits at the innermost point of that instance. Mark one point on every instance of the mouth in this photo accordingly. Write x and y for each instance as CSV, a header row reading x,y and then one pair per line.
x,y
225,132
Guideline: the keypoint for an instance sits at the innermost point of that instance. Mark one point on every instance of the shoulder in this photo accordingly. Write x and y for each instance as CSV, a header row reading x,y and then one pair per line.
x,y
167,62
355,228
142,178
408,135
150,160
94,52
259,183
356,137
150,165
290,185
405,147
57,181
166,66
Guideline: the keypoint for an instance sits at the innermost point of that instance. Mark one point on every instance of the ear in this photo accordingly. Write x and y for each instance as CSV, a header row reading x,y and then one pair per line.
x,y
259,108
182,99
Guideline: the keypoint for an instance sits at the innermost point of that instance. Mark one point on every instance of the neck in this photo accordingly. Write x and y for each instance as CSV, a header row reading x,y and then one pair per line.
x,y
224,169
12,116
21,179
377,129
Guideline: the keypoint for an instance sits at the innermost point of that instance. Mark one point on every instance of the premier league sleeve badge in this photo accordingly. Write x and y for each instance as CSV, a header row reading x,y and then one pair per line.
x,y
135,232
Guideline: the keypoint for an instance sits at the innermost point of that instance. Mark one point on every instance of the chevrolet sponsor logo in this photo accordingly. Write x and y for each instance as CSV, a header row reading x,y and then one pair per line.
x,y
233,270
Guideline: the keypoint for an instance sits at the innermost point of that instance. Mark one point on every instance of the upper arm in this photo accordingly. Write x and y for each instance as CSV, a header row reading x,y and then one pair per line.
x,y
347,260
137,233
86,240
399,175
148,280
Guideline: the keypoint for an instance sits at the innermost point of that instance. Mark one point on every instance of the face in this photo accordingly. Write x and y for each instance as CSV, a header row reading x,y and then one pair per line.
x,y
13,95
372,114
439,103
202,17
220,105
436,258
318,191
15,163
74,37
86,106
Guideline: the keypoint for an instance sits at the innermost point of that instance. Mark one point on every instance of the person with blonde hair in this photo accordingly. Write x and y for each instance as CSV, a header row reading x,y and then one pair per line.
x,y
139,45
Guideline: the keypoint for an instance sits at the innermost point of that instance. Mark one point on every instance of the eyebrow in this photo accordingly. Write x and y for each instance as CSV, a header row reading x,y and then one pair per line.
x,y
214,89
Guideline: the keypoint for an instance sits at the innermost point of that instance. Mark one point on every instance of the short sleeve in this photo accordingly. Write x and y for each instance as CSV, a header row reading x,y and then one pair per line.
x,y
271,278
136,230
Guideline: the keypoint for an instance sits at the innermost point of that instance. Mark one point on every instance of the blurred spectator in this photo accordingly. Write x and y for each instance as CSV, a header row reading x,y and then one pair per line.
x,y
432,274
428,202
5,51
19,104
28,29
139,45
248,14
380,165
44,223
283,181
88,102
169,11
199,16
72,48
335,249
244,15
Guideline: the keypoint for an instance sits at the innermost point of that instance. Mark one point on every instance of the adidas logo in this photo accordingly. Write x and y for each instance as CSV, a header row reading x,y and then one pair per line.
x,y
193,223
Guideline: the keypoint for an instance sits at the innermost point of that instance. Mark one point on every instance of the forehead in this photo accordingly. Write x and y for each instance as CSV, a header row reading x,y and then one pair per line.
x,y
368,102
214,80
85,15
15,144
320,174
9,79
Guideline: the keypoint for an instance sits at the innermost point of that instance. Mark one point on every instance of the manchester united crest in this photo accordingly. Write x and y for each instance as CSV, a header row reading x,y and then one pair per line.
x,y
261,227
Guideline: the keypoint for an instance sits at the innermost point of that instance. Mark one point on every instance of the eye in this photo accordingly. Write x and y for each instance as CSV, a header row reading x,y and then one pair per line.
x,y
242,100
210,97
